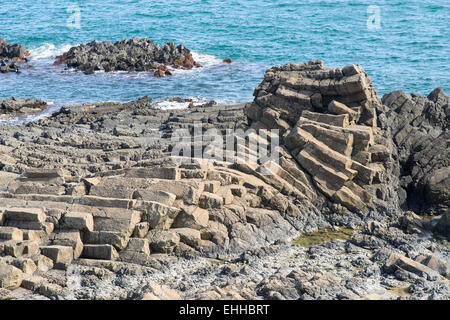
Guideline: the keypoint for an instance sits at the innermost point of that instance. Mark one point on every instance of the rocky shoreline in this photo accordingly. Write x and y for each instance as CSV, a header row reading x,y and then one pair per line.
x,y
93,206
135,54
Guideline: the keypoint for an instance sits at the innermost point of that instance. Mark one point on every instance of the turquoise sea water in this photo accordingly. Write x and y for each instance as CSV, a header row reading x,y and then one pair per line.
x,y
409,51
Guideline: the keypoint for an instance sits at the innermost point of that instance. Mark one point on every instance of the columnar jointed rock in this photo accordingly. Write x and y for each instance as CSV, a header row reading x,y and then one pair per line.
x,y
288,90
128,55
122,200
329,122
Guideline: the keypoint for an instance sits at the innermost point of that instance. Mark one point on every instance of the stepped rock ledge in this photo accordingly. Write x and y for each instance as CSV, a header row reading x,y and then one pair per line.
x,y
93,193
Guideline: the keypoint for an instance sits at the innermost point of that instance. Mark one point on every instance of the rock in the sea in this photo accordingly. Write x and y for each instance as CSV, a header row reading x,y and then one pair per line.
x,y
14,52
10,55
128,55
7,66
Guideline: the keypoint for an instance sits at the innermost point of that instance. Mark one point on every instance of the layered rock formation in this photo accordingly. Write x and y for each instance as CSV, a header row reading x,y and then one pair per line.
x,y
128,55
328,118
96,192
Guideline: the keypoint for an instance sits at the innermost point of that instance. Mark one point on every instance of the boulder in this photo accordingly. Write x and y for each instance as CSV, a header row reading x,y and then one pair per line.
x,y
165,198
163,241
211,201
188,236
117,239
68,238
434,263
339,108
10,277
139,246
160,216
43,263
396,261
192,217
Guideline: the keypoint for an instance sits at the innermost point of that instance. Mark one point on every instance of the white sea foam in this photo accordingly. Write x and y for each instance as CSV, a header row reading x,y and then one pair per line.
x,y
172,105
49,50
47,112
206,60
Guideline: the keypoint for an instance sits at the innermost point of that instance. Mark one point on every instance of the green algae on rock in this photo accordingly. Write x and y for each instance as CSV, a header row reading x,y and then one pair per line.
x,y
322,236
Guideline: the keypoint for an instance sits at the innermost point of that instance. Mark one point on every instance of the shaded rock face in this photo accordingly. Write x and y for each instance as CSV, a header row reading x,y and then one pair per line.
x,y
419,127
328,119
18,106
128,55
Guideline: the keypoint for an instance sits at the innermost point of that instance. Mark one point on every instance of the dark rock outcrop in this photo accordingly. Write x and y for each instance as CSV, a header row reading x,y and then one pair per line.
x,y
10,54
15,52
7,66
420,130
128,55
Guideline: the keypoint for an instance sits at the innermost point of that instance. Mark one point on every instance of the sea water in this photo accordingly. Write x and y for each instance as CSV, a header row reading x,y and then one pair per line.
x,y
402,45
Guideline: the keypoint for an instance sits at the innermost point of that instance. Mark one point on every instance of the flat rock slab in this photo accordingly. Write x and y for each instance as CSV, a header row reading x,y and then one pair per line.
x,y
25,214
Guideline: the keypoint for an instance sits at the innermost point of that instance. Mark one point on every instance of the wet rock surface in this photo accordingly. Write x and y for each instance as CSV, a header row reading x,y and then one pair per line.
x,y
128,55
93,205
17,106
